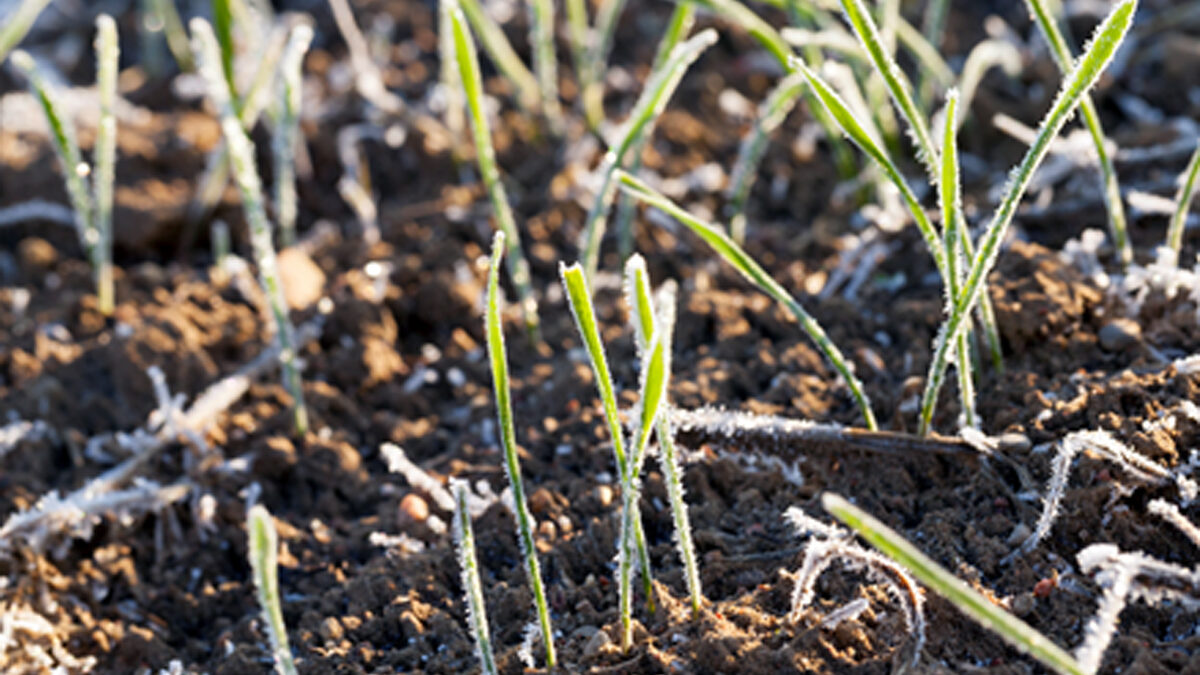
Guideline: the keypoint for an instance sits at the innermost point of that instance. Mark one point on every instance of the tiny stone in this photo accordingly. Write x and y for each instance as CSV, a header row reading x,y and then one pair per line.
x,y
604,494
597,642
1022,605
413,509
331,629
1120,334
1014,442
547,529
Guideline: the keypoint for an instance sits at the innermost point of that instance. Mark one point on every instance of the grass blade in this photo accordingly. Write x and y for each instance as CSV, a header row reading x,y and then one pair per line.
x,y
950,200
545,65
167,14
502,53
454,117
468,562
678,26
1103,46
1183,200
108,54
592,94
579,298
245,173
66,148
715,237
1014,631
580,37
286,114
874,149
17,24
637,293
264,563
485,155
508,439
771,114
649,106
1091,118
223,28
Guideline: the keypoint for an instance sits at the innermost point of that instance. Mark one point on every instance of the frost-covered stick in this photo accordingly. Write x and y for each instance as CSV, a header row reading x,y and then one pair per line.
x,y
646,322
1103,46
177,41
468,562
579,298
592,93
715,237
485,156
545,64
245,170
1183,201
17,24
678,26
1048,25
286,116
1014,631
820,554
264,562
108,52
649,106
1170,513
950,200
491,36
508,439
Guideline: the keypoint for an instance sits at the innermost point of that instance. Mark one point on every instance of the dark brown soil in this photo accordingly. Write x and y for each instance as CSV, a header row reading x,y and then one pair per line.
x,y
401,359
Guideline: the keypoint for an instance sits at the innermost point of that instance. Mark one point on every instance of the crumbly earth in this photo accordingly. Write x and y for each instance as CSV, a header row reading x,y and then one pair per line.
x,y
399,358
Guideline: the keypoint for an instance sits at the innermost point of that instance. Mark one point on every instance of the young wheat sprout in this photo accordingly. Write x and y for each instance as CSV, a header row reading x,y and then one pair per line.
x,y
245,171
592,94
485,155
1103,46
678,27
545,65
17,24
1091,118
502,53
950,199
264,562
579,298
646,323
720,242
508,438
286,117
649,106
1183,202
1014,631
448,80
107,57
165,13
468,562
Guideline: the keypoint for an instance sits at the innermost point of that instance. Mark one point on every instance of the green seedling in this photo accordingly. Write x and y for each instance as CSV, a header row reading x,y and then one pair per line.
x,y
1107,38
17,25
580,300
264,563
89,188
508,439
468,562
720,242
165,14
647,321
678,26
245,173
1014,631
649,106
1183,202
454,118
1091,118
501,52
285,114
950,200
545,64
592,90
485,155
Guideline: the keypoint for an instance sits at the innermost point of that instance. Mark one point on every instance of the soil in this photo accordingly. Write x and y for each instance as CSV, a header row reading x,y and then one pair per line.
x,y
399,358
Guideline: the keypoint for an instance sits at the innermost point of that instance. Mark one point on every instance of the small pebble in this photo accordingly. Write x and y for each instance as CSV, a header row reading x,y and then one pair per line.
x,y
413,509
1120,334
597,642
604,494
1022,605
